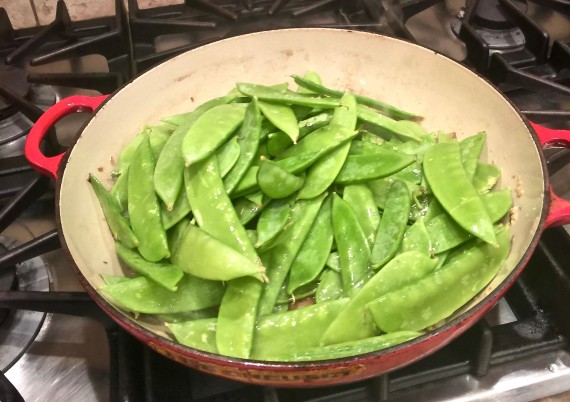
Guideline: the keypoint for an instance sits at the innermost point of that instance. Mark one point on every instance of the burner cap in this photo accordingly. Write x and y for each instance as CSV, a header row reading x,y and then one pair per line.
x,y
491,15
14,79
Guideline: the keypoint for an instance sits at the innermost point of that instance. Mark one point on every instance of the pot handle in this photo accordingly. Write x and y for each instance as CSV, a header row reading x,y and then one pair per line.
x,y
559,211
48,165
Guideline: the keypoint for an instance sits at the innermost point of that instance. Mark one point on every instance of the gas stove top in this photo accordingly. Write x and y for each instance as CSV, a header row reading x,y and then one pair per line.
x,y
59,343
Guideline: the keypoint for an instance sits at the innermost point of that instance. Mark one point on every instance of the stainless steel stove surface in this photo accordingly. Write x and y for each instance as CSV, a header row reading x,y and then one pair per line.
x,y
71,352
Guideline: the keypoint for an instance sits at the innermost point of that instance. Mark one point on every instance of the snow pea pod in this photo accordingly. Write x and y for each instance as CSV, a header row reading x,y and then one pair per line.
x,y
166,275
216,215
285,96
282,117
392,225
324,171
354,348
144,210
127,153
360,198
257,198
158,138
314,251
354,322
470,149
436,296
376,104
228,155
210,130
449,183
272,220
168,175
206,257
330,286
310,76
416,238
445,233
352,246
198,334
275,181
293,331
119,226
180,210
246,210
359,168
333,261
175,235
320,142
248,140
385,123
247,184
141,295
286,249
486,176
120,190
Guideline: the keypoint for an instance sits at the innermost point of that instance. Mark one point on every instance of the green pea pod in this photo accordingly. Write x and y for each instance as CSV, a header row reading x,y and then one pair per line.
x,y
252,234
144,209
288,245
246,210
285,96
323,173
453,189
297,164
213,209
310,76
168,175
127,153
120,190
211,312
119,226
446,234
355,347
256,198
248,140
158,138
282,117
294,330
434,209
206,257
486,176
376,104
333,261
353,322
166,275
436,296
228,155
392,225
247,184
180,210
113,279
364,147
416,238
359,168
385,123
313,123
330,286
320,142
275,181
141,295
277,143
314,251
176,234
353,249
211,130
470,149
198,334
366,136
216,215
272,220
360,198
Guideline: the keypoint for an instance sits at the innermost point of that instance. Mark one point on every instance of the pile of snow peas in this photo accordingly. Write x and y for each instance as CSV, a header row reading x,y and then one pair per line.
x,y
307,224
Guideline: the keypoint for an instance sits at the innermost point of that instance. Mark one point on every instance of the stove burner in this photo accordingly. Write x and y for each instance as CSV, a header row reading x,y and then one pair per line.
x,y
15,80
7,282
497,39
491,15
19,328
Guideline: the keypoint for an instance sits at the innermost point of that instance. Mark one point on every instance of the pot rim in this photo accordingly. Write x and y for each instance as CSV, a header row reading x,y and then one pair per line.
x,y
451,329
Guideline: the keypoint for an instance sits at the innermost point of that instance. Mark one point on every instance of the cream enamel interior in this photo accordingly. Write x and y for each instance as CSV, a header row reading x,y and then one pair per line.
x,y
450,97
